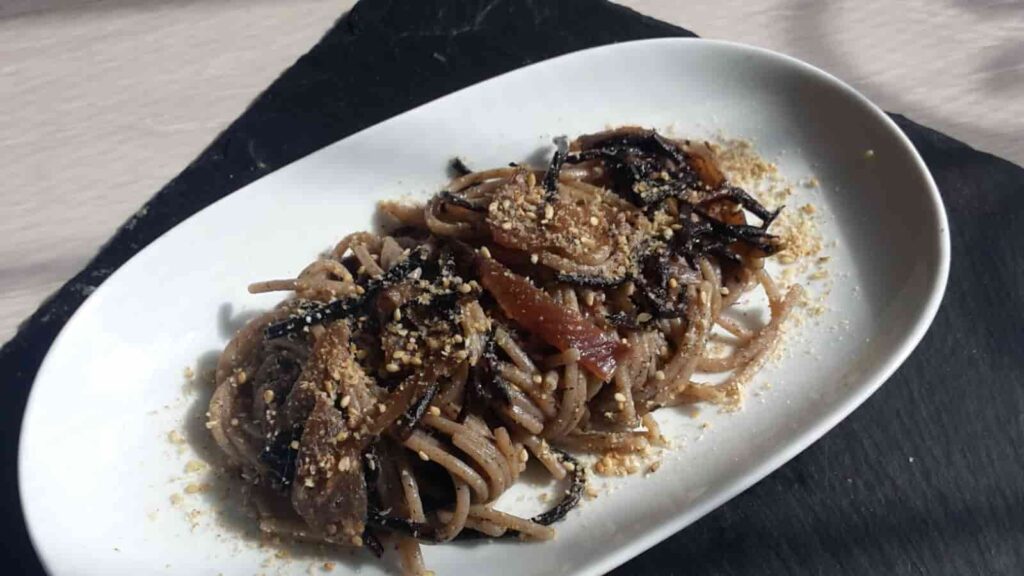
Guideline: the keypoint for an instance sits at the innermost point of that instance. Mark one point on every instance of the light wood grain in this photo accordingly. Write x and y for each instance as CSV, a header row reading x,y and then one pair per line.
x,y
102,102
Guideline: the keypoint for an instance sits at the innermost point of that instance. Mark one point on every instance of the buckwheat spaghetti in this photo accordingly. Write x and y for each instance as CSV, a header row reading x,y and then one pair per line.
x,y
522,311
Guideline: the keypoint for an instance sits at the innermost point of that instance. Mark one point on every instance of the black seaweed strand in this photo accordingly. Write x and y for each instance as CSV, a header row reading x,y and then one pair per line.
x,y
380,519
373,544
408,421
585,281
453,198
347,307
279,458
458,167
485,388
754,235
748,202
571,499
577,482
551,176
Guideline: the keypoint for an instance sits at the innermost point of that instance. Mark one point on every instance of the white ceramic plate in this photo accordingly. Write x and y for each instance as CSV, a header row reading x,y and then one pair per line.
x,y
97,471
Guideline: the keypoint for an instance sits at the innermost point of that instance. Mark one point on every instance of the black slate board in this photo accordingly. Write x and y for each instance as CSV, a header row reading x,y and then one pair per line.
x,y
926,478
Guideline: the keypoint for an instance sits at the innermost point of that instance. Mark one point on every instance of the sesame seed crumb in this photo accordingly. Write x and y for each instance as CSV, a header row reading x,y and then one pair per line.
x,y
195,488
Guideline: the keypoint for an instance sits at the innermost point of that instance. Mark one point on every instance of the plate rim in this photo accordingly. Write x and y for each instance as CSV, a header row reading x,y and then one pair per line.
x,y
907,343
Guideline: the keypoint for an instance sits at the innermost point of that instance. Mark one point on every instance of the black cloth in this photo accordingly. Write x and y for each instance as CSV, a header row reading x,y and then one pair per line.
x,y
926,478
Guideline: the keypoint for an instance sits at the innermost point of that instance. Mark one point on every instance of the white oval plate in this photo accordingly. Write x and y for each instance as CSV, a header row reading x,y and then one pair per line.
x,y
97,470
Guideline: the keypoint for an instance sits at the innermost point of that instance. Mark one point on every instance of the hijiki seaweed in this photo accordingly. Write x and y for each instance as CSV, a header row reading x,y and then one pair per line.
x,y
521,312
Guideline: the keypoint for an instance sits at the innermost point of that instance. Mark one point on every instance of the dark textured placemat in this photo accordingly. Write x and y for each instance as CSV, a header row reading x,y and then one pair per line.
x,y
926,478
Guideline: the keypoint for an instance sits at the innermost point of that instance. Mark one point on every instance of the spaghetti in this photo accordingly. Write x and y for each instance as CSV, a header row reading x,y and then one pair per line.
x,y
522,311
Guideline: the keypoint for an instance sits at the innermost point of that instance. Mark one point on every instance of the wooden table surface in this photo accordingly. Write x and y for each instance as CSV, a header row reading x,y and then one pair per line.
x,y
103,101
